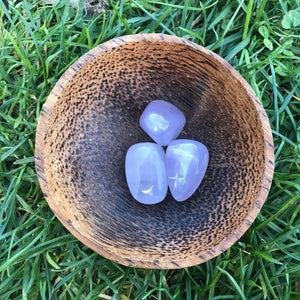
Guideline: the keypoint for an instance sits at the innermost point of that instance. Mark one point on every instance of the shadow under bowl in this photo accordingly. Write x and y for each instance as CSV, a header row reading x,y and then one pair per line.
x,y
91,118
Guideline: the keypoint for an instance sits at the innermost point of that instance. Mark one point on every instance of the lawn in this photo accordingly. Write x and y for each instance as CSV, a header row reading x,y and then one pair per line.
x,y
39,258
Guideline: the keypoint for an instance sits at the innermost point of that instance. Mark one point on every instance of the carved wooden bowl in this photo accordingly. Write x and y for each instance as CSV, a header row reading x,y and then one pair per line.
x,y
91,118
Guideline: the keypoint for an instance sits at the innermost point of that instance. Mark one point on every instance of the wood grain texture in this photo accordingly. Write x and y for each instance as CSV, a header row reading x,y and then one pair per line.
x,y
90,120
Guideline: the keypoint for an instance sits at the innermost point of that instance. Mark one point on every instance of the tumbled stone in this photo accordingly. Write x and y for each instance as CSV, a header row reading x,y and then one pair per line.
x,y
146,172
162,121
186,164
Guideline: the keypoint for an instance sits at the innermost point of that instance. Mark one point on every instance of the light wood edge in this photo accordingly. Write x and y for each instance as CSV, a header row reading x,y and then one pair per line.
x,y
161,264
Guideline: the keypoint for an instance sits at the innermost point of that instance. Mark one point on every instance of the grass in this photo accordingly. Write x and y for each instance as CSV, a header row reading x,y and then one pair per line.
x,y
39,259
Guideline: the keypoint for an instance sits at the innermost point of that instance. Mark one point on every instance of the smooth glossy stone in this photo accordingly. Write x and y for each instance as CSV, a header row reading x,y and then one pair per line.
x,y
186,164
146,172
162,121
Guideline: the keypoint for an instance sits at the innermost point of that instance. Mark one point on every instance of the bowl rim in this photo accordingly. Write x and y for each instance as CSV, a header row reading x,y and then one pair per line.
x,y
203,256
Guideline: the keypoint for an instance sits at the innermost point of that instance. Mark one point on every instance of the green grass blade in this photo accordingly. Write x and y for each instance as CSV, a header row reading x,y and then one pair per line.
x,y
19,52
233,282
10,151
248,17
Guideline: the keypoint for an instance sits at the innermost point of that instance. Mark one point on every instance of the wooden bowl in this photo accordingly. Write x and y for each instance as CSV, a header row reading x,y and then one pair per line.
x,y
91,118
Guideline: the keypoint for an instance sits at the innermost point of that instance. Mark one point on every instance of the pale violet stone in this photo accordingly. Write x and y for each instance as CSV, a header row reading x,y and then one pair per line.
x,y
162,121
186,164
145,170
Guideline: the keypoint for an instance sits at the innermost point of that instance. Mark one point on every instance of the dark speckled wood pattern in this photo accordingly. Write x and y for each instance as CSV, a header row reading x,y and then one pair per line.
x,y
91,118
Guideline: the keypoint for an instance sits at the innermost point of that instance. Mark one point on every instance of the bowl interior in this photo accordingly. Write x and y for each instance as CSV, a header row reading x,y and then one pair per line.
x,y
95,121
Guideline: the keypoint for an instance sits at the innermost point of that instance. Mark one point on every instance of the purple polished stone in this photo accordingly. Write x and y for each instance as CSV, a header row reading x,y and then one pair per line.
x,y
186,164
162,121
145,168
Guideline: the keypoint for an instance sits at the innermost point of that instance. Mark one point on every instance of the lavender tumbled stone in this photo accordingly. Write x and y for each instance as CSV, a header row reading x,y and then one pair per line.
x,y
162,121
186,164
146,173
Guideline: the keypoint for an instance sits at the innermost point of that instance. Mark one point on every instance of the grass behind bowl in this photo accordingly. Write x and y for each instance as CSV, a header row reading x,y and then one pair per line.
x,y
39,258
